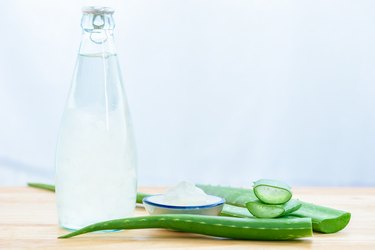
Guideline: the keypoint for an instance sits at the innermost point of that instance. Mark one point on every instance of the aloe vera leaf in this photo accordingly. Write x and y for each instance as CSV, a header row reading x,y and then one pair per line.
x,y
42,186
140,197
219,226
272,191
232,195
262,210
324,219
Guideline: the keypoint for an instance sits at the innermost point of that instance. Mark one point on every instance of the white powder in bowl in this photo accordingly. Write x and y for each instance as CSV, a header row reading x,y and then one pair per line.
x,y
185,194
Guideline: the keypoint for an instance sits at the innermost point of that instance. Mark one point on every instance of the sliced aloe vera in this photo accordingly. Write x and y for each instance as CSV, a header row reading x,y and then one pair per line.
x,y
272,191
241,212
262,210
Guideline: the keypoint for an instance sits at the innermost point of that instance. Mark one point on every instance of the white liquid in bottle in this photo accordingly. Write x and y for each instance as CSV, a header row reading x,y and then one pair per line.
x,y
95,158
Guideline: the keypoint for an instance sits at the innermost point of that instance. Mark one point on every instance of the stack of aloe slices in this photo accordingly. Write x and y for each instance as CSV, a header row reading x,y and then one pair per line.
x,y
274,200
265,212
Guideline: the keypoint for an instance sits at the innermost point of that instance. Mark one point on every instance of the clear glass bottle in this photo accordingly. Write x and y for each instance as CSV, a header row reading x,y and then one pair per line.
x,y
95,158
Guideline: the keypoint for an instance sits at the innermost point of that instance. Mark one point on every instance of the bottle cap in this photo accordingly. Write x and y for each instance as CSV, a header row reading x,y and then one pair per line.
x,y
97,10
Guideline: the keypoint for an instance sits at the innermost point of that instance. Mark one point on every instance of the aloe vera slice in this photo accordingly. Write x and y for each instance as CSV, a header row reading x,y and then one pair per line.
x,y
272,191
262,210
241,212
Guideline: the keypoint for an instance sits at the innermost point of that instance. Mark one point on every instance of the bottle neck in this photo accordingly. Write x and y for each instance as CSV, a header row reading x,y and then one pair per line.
x,y
97,34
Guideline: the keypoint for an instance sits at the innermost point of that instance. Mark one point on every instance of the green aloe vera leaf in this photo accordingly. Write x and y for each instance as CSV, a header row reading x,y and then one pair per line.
x,y
218,226
272,191
42,186
232,195
325,219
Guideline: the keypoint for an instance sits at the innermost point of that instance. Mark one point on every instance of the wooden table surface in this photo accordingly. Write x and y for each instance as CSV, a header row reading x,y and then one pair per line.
x,y
28,220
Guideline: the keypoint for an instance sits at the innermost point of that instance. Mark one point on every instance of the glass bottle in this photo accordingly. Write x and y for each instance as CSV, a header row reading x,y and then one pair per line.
x,y
95,157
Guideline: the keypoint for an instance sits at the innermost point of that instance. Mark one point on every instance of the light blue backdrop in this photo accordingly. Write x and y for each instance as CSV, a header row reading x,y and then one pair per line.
x,y
220,91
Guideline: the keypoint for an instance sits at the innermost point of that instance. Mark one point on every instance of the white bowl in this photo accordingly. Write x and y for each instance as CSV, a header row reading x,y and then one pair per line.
x,y
154,207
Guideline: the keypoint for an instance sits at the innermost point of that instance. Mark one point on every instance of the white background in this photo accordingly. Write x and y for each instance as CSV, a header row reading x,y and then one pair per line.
x,y
221,91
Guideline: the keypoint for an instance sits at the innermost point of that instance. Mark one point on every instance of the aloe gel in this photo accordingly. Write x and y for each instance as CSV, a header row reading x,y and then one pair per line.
x,y
95,157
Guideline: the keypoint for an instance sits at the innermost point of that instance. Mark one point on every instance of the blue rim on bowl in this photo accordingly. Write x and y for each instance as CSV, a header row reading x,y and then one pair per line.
x,y
218,203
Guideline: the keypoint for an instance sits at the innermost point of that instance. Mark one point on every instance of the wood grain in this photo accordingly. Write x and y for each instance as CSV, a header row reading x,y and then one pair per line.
x,y
28,220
